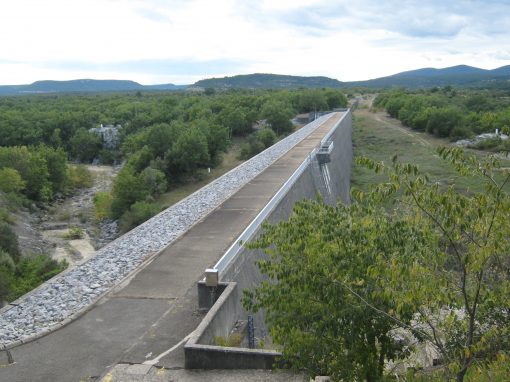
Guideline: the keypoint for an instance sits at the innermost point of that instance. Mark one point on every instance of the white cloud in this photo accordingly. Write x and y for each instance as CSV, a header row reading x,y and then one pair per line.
x,y
62,39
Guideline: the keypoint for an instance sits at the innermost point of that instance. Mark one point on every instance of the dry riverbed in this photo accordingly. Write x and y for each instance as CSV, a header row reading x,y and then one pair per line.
x,y
46,231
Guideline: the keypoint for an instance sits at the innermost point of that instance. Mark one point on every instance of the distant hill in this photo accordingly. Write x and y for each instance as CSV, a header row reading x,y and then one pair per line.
x,y
268,81
460,75
83,85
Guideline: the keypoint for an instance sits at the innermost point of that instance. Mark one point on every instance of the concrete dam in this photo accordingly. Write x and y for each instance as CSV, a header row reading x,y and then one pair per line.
x,y
143,302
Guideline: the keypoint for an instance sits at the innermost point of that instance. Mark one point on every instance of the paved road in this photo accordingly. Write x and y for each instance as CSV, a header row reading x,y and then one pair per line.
x,y
157,307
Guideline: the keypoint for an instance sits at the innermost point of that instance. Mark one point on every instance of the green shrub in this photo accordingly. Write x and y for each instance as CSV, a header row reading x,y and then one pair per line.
x,y
102,205
250,149
9,240
137,214
155,180
257,142
234,340
80,177
460,132
494,143
74,233
106,156
11,181
31,272
128,188
5,285
6,261
267,137
6,216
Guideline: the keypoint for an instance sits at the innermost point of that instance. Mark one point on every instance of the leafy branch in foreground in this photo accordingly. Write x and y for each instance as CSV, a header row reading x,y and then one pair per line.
x,y
410,256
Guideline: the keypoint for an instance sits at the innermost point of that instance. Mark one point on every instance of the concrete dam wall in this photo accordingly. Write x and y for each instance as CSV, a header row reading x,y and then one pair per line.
x,y
326,172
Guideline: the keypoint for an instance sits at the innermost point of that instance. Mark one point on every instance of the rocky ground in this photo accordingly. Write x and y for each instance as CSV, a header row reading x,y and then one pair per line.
x,y
44,231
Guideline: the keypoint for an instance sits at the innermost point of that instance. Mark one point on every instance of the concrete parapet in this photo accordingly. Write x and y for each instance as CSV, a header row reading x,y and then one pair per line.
x,y
200,351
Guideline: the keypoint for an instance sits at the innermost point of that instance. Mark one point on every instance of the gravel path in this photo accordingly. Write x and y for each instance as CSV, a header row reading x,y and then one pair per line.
x,y
66,295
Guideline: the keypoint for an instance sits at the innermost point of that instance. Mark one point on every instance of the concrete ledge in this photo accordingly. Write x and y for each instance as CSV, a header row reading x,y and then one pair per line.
x,y
207,296
200,354
218,357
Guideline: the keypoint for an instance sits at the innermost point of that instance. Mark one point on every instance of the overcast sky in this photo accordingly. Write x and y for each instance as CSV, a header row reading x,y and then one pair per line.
x,y
182,41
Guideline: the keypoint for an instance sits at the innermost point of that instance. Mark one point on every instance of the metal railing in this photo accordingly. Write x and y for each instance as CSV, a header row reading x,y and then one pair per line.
x,y
252,228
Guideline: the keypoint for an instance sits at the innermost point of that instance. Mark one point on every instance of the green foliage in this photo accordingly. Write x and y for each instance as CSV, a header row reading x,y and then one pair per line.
x,y
56,162
43,170
433,263
189,152
312,100
320,296
137,214
19,275
257,142
11,181
447,113
442,121
128,188
31,272
267,137
335,99
495,143
33,170
6,262
80,177
465,273
236,120
9,240
278,115
6,270
102,205
84,145
217,139
154,180
233,340
74,233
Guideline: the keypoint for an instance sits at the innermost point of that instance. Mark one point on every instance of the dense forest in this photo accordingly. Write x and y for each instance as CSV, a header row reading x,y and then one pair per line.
x,y
450,113
162,140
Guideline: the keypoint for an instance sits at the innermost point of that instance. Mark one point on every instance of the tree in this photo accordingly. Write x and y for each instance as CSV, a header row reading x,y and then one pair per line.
x,y
33,169
161,137
461,289
335,98
217,137
127,189
442,121
267,137
320,294
154,180
56,162
84,145
278,115
137,214
188,153
409,256
235,119
312,100
9,241
11,181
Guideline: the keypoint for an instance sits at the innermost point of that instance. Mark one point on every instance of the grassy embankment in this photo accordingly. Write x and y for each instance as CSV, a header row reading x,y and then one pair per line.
x,y
380,138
